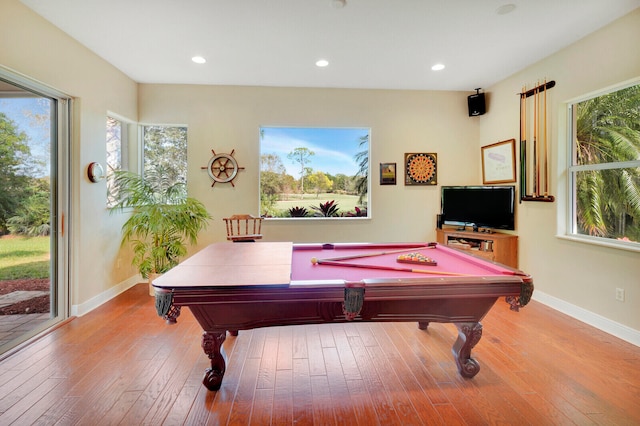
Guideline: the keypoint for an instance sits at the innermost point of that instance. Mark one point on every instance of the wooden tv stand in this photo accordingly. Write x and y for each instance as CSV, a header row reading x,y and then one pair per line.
x,y
504,246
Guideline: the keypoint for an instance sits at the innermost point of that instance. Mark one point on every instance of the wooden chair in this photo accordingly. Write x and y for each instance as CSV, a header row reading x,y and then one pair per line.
x,y
243,228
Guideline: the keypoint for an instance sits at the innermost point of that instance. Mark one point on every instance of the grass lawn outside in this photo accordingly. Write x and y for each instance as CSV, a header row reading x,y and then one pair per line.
x,y
24,257
346,203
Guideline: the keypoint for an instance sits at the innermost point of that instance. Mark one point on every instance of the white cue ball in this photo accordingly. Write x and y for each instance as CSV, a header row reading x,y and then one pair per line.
x,y
314,260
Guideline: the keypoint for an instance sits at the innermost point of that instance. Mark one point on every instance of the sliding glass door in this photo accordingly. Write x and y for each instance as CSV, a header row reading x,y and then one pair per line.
x,y
34,143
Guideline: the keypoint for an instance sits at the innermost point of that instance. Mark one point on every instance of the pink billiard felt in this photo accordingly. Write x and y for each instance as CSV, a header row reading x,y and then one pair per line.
x,y
448,259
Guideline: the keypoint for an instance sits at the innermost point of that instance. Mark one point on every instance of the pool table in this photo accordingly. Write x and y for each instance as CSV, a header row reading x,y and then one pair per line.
x,y
239,286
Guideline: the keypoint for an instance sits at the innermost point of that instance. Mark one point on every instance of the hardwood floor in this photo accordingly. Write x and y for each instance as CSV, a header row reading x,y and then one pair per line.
x,y
121,364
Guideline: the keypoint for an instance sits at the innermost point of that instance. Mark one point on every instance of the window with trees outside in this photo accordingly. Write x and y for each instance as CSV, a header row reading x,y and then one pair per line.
x,y
117,150
604,169
314,172
162,165
165,157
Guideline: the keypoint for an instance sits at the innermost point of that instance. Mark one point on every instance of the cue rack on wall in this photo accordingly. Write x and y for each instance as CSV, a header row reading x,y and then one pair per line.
x,y
534,148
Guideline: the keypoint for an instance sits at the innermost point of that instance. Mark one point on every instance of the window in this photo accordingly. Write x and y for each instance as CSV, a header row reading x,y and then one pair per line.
x,y
604,169
314,172
117,152
165,156
161,159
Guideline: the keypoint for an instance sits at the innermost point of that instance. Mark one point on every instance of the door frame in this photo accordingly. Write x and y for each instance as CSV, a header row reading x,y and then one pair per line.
x,y
60,212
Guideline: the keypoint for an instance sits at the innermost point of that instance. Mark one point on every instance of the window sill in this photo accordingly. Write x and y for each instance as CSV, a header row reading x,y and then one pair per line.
x,y
316,218
603,242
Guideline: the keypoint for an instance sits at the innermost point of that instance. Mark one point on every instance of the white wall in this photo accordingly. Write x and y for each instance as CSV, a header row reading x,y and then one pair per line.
x,y
228,118
31,46
572,274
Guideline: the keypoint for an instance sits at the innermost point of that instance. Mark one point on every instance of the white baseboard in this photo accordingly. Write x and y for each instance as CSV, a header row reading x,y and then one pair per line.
x,y
601,323
94,302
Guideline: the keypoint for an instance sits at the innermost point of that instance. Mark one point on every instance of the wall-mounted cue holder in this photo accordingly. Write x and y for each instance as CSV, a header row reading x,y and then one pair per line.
x,y
534,147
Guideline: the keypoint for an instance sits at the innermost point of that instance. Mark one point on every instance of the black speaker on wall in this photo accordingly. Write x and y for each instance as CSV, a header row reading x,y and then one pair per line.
x,y
476,104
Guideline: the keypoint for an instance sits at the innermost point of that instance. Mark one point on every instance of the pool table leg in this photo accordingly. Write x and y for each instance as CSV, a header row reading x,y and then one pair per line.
x,y
212,345
423,325
469,334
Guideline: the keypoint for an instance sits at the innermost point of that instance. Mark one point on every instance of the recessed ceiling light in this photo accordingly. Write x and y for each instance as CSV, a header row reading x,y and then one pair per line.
x,y
437,67
506,8
198,59
322,63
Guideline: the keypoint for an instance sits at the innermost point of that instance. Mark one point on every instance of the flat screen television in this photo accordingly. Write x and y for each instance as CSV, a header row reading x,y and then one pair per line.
x,y
479,206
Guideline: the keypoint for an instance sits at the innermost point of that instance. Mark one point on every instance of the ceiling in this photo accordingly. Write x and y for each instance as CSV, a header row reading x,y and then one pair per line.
x,y
381,44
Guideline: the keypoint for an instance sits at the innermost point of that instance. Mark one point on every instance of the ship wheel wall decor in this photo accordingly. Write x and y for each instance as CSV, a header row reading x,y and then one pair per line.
x,y
222,168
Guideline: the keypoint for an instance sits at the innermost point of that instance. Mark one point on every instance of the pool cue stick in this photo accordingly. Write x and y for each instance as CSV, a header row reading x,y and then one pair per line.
x,y
535,141
386,268
380,253
539,155
523,142
523,138
546,148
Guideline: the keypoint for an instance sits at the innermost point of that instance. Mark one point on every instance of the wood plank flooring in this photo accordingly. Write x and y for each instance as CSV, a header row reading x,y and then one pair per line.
x,y
122,365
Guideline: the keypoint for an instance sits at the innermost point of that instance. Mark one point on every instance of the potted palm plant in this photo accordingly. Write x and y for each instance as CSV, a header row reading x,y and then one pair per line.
x,y
163,219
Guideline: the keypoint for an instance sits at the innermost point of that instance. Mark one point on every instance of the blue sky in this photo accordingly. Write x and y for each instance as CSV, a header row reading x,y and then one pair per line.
x,y
32,116
334,148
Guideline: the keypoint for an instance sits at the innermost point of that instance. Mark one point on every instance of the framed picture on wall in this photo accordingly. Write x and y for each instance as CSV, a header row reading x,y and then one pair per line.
x,y
498,162
387,173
